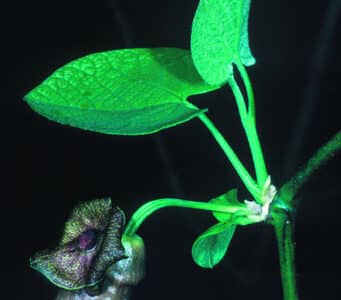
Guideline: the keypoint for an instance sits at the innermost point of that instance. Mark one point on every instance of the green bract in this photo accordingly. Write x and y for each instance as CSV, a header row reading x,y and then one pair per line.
x,y
210,247
230,198
220,38
127,92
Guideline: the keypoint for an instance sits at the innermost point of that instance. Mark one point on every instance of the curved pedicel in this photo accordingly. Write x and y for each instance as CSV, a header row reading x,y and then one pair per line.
x,y
93,260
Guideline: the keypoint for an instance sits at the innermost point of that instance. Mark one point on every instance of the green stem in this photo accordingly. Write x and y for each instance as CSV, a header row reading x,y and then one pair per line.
x,y
148,208
244,175
249,90
284,234
286,203
249,125
257,154
290,189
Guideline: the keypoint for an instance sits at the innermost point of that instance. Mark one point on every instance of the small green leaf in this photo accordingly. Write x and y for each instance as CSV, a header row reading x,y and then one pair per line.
x,y
127,92
210,247
220,38
230,198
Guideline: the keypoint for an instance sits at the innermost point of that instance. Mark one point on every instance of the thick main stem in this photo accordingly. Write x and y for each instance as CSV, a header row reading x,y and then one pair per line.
x,y
290,189
284,233
284,206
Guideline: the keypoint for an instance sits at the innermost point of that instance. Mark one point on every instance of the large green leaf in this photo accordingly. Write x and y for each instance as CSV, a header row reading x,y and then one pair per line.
x,y
220,38
210,247
128,92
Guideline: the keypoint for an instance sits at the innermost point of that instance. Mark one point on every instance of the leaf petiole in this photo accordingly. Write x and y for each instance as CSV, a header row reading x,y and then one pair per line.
x,y
249,124
244,175
249,91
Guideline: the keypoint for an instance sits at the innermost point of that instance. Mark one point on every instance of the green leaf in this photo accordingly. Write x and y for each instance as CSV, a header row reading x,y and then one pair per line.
x,y
220,38
210,247
127,92
230,198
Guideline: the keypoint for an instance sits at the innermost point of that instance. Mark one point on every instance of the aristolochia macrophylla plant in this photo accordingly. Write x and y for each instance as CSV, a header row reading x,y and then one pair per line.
x,y
142,91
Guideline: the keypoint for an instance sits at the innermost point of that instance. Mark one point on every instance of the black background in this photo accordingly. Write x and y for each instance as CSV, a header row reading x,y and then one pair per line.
x,y
48,168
